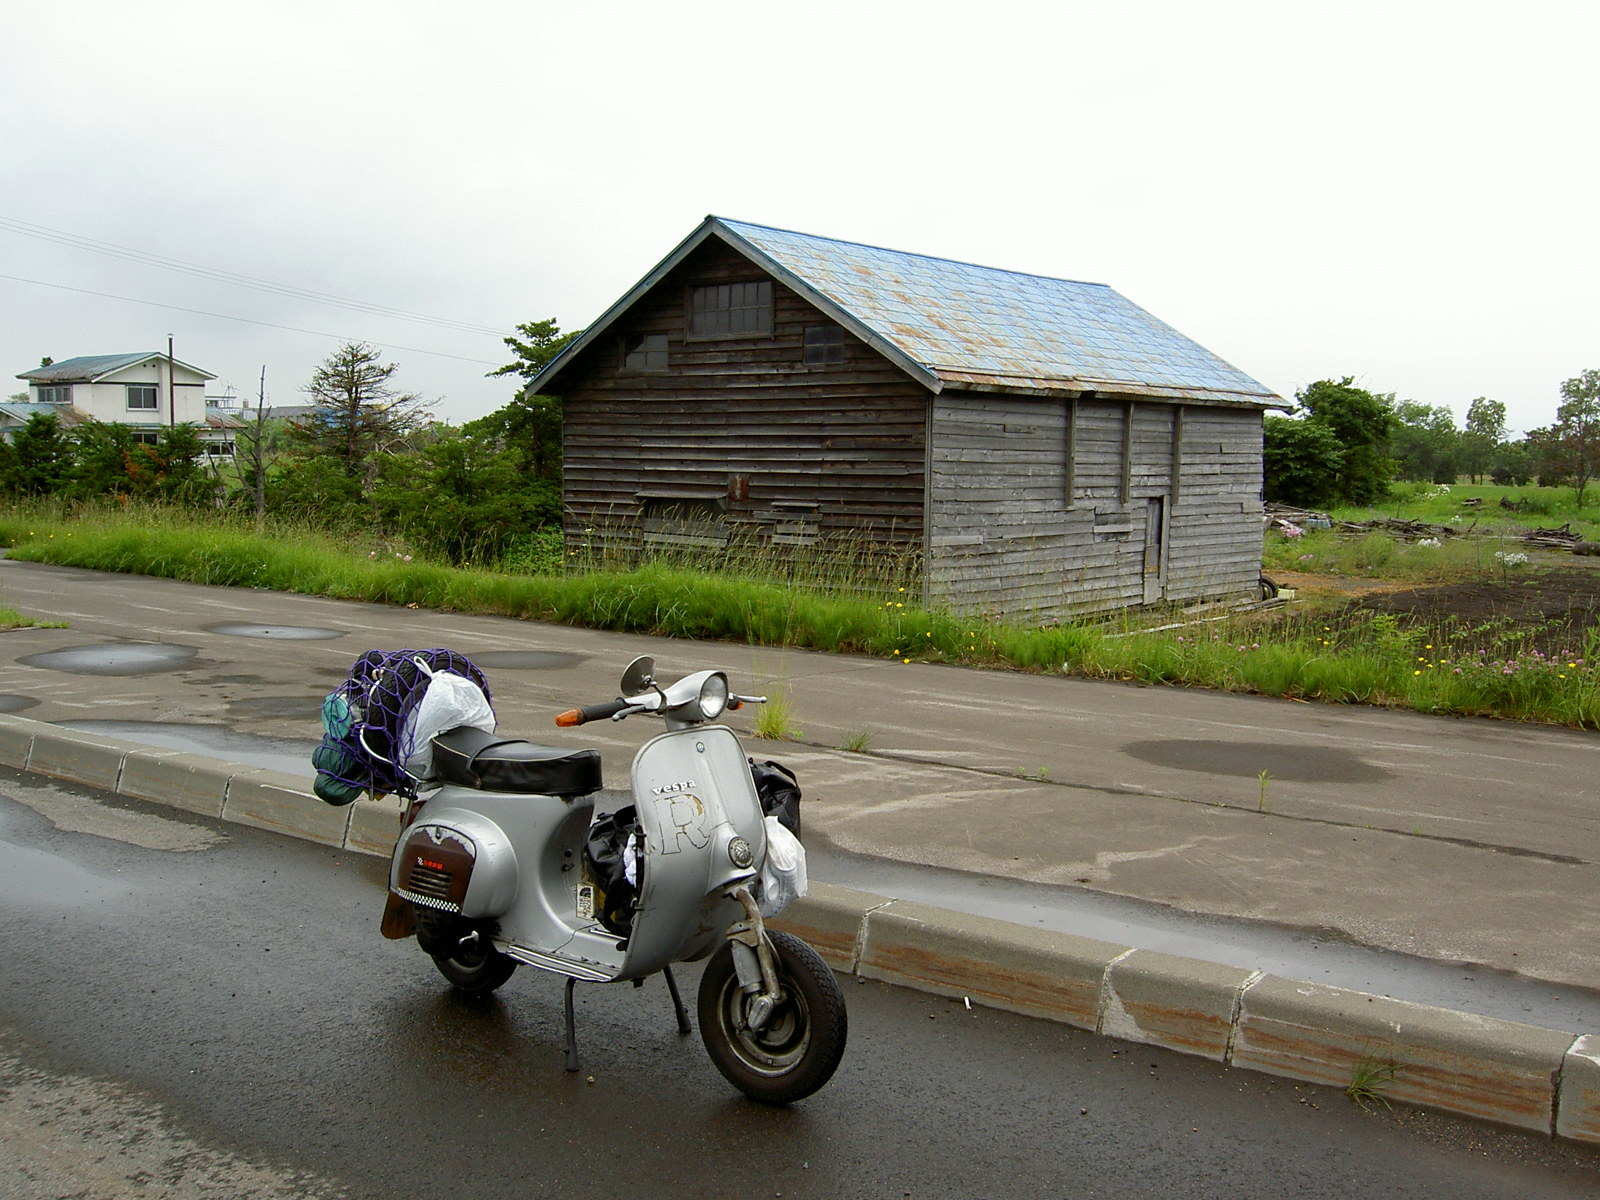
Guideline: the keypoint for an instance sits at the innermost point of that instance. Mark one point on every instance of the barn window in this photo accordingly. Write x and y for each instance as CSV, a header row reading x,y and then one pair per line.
x,y
645,353
824,344
731,309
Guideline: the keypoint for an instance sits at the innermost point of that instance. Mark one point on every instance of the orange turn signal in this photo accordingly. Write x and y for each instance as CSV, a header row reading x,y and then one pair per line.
x,y
571,717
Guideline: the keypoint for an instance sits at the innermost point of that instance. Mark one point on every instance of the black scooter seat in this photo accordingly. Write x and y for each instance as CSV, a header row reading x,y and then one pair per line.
x,y
472,758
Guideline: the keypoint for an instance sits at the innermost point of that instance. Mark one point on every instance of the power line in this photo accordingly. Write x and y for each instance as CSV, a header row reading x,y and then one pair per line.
x,y
129,254
247,320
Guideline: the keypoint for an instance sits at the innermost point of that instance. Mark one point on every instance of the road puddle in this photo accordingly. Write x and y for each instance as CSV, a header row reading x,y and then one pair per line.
x,y
112,658
277,633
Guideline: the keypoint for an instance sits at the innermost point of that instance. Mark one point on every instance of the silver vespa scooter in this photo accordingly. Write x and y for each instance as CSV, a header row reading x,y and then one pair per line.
x,y
492,873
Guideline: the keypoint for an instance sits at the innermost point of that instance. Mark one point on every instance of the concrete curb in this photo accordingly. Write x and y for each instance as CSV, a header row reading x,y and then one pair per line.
x,y
1495,1070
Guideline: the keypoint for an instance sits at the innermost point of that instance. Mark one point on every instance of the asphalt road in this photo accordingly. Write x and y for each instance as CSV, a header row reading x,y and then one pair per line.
x,y
1463,842
191,1009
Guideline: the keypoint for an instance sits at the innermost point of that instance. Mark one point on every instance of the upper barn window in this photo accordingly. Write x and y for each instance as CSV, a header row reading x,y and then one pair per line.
x,y
731,309
824,344
645,353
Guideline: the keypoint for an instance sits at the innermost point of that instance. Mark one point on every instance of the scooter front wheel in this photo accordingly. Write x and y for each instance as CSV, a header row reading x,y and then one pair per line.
x,y
798,1048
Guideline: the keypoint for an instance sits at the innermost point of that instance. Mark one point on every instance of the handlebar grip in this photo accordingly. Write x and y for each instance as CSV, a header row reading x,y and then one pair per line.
x,y
593,712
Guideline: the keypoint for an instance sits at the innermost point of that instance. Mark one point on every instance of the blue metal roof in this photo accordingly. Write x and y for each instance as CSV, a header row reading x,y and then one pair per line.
x,y
975,326
953,324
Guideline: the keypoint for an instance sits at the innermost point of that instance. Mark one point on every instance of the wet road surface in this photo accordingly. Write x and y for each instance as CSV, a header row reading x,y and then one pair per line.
x,y
192,1009
1293,954
1454,863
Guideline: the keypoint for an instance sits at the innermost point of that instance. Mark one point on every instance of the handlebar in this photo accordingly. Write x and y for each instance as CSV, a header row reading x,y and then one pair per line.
x,y
594,712
696,698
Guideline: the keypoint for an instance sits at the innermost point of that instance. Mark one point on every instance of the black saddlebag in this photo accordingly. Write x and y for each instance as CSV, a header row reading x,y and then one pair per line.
x,y
475,759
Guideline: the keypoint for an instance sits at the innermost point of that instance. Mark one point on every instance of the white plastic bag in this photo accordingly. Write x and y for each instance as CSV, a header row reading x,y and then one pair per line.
x,y
450,702
783,875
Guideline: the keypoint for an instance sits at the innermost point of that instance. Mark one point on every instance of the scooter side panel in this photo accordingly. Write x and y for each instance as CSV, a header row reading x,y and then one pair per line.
x,y
542,879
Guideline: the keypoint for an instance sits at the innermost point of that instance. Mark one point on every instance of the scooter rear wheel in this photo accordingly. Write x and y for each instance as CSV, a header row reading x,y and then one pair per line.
x,y
476,967
798,1048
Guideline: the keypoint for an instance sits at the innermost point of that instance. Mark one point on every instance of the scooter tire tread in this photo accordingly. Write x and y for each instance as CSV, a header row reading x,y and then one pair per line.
x,y
801,969
479,977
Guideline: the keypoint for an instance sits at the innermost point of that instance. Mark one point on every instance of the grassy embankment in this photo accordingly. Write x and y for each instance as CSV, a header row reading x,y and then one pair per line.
x,y
1304,652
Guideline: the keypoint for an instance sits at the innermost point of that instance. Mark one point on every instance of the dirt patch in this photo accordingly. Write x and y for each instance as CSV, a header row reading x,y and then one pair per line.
x,y
1555,610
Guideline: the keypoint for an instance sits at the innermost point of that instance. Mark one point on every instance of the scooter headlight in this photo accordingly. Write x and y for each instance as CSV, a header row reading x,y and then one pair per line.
x,y
713,696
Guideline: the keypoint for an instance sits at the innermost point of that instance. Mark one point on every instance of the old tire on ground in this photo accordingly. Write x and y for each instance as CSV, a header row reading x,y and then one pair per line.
x,y
800,1045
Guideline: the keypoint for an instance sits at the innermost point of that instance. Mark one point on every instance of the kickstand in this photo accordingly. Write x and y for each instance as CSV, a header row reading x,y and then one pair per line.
x,y
684,1029
572,1031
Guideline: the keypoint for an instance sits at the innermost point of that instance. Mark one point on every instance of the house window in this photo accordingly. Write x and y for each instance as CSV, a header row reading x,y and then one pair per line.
x,y
60,393
824,344
731,309
142,396
646,353
145,437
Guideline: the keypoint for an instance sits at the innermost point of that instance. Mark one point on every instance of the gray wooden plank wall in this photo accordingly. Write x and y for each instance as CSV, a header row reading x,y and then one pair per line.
x,y
1004,539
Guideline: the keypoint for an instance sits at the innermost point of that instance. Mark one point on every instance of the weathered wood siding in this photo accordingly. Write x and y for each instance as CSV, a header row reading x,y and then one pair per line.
x,y
1214,539
742,425
1017,527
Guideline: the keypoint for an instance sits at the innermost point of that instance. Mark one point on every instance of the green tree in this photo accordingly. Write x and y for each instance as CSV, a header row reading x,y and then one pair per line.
x,y
1512,464
317,489
1486,430
44,456
530,426
1302,461
112,459
1362,421
530,429
540,342
1573,442
1425,442
357,413
463,498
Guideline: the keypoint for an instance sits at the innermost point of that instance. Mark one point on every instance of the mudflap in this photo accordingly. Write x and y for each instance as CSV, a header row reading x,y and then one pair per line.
x,y
399,918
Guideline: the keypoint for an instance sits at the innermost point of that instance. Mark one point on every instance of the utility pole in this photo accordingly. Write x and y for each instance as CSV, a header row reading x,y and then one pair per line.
x,y
259,454
172,388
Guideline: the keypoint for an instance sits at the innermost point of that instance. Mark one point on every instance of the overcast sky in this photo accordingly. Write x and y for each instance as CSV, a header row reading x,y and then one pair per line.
x,y
1402,192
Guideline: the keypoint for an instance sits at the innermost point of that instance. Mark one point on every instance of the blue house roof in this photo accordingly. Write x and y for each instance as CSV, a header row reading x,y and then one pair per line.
x,y
954,324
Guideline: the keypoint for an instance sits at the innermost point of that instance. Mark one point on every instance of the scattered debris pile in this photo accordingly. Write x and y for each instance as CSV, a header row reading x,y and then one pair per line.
x,y
1560,538
1285,519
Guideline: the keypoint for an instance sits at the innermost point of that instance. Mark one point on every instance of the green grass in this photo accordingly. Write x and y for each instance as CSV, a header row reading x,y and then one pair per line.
x,y
1532,507
1490,670
10,618
1370,1080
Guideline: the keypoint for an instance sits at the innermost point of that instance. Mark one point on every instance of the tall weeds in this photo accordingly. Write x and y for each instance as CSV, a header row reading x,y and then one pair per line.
x,y
1367,659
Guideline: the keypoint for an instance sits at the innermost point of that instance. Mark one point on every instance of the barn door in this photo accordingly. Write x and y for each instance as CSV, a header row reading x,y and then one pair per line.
x,y
1155,540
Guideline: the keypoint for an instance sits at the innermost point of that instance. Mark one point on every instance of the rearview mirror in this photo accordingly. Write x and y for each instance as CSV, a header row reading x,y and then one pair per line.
x,y
639,675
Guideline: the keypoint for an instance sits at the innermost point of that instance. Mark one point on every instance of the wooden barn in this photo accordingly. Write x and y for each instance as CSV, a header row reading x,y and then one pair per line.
x,y
1041,446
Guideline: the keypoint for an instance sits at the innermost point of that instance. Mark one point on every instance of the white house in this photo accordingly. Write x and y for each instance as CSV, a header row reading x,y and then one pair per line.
x,y
147,391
